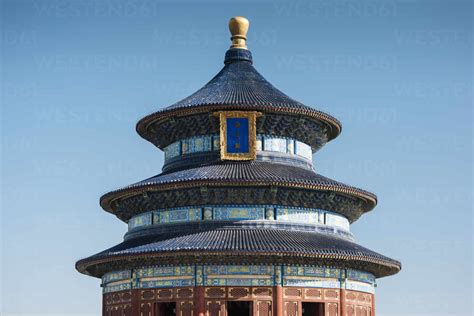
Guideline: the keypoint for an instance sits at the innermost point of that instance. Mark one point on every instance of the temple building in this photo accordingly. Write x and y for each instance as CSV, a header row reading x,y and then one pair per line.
x,y
238,222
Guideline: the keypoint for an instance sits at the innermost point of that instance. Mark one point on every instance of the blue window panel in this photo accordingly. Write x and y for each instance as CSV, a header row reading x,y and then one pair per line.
x,y
164,271
117,287
238,281
173,150
207,213
337,221
304,150
180,215
259,143
116,276
140,220
360,276
186,146
290,146
274,144
312,271
156,217
165,283
238,269
237,135
359,286
312,282
200,144
216,142
298,215
322,272
235,275
238,213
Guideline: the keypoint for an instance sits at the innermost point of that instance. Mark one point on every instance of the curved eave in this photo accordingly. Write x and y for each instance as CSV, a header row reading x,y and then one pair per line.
x,y
106,201
335,127
267,245
388,268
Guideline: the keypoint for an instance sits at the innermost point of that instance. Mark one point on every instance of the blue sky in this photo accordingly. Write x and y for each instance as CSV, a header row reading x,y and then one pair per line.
x,y
78,75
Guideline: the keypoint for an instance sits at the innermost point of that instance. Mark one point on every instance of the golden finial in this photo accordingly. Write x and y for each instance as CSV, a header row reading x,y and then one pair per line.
x,y
238,27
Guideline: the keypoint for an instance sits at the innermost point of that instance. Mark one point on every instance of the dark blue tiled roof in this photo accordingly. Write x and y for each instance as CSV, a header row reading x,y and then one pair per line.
x,y
244,171
240,86
250,172
251,241
238,83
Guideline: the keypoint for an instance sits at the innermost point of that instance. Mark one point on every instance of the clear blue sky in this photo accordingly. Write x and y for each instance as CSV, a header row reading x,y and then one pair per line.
x,y
77,75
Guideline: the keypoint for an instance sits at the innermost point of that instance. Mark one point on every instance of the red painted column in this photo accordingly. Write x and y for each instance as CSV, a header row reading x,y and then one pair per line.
x,y
373,305
103,304
135,302
343,302
278,301
199,302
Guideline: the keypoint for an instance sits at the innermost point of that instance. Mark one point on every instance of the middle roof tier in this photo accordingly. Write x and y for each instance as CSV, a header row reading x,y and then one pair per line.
x,y
234,183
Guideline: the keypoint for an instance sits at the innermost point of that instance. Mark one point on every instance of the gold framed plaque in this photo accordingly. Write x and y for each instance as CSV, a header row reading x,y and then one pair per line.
x,y
238,134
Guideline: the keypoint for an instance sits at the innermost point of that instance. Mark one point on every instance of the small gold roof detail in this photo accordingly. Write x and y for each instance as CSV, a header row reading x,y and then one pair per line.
x,y
238,27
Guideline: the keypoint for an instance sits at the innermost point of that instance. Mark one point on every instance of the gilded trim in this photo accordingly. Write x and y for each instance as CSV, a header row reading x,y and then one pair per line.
x,y
252,135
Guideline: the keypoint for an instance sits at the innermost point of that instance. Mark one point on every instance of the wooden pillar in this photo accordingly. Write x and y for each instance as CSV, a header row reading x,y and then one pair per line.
x,y
343,302
199,302
278,301
103,304
373,305
135,302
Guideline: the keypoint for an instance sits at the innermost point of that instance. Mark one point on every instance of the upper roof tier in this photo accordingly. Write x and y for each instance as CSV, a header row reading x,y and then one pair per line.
x,y
239,86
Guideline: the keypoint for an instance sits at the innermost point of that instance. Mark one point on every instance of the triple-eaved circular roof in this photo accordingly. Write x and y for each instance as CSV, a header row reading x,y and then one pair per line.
x,y
238,86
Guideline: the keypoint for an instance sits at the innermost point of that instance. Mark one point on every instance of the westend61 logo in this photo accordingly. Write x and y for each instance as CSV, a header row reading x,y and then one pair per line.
x,y
209,37
337,62
97,8
335,9
97,62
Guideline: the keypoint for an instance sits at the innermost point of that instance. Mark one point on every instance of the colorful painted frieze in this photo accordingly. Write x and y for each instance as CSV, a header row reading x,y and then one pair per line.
x,y
337,220
299,215
172,150
304,150
274,144
238,213
117,287
359,286
238,275
360,276
311,271
290,146
144,219
178,215
311,282
196,144
164,271
116,276
212,143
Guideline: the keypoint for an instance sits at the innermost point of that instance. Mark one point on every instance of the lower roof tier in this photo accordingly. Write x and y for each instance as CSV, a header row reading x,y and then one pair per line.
x,y
253,182
239,246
